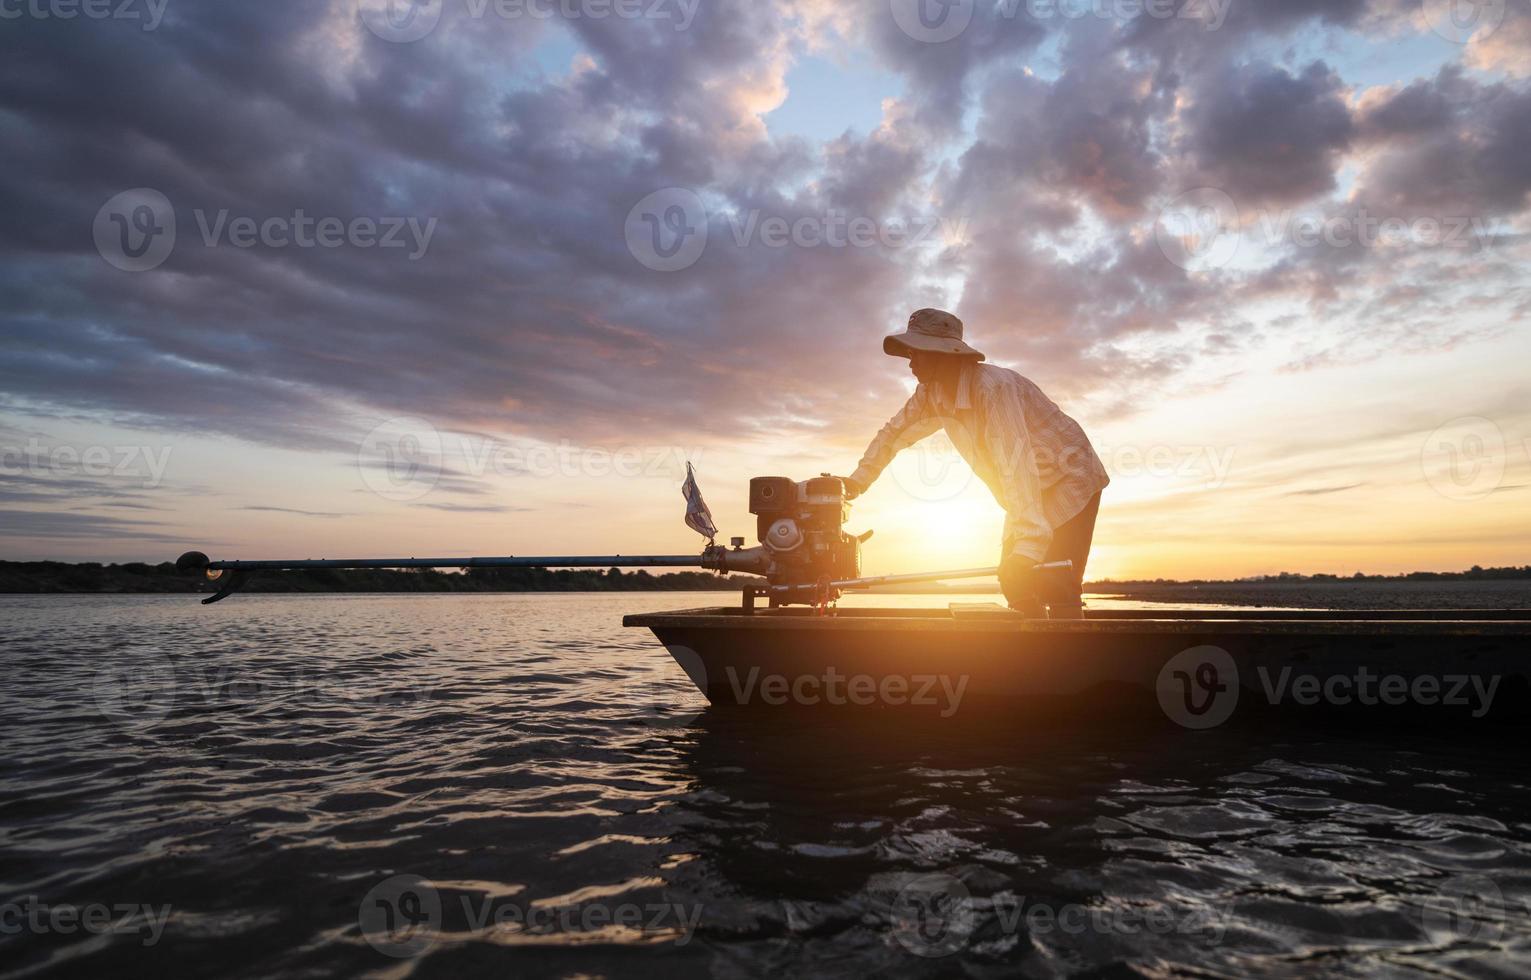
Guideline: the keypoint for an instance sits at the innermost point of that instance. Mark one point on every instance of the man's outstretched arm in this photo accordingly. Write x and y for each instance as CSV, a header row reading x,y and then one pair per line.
x,y
916,420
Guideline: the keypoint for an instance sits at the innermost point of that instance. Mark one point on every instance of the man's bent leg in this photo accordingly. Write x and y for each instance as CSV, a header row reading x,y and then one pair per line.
x,y
1071,542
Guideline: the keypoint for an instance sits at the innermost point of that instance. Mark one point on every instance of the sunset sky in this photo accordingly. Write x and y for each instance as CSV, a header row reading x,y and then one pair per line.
x,y
478,278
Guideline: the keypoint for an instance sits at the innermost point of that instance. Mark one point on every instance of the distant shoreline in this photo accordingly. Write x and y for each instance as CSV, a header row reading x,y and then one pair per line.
x,y
1475,588
133,578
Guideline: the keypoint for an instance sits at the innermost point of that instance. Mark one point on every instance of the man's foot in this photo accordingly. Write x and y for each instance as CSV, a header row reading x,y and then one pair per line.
x,y
1066,610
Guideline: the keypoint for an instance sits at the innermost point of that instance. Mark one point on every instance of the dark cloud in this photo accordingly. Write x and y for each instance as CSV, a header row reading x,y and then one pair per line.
x,y
299,513
1324,491
53,524
1448,147
1266,136
471,509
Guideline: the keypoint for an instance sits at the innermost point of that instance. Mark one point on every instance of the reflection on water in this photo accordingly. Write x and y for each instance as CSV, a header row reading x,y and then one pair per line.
x,y
515,783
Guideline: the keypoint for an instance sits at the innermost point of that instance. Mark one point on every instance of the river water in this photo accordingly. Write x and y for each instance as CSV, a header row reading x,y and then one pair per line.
x,y
514,784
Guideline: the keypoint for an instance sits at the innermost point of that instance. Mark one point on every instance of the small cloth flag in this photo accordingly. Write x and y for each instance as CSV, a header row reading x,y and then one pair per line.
x,y
698,517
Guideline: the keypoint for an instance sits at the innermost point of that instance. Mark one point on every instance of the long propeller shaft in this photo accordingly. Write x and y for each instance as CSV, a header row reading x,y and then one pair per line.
x,y
542,561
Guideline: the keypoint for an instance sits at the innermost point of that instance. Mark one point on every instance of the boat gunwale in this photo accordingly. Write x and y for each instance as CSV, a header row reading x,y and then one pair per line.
x,y
1447,622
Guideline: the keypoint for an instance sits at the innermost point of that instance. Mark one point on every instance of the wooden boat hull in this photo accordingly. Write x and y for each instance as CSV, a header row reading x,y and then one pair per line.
x,y
1196,668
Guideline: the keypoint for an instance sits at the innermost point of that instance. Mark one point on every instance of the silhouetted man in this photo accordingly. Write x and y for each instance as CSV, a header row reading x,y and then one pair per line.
x,y
1036,460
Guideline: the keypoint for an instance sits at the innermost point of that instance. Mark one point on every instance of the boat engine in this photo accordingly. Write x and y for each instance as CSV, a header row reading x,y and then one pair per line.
x,y
803,541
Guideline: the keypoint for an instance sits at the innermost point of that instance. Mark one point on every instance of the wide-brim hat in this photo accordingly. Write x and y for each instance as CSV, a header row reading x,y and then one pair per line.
x,y
935,331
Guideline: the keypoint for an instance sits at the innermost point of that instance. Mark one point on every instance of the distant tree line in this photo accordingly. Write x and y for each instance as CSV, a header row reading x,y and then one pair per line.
x,y
138,577
1476,573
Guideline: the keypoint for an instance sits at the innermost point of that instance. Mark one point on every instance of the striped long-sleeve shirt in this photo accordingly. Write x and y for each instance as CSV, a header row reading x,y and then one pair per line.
x,y
1036,460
